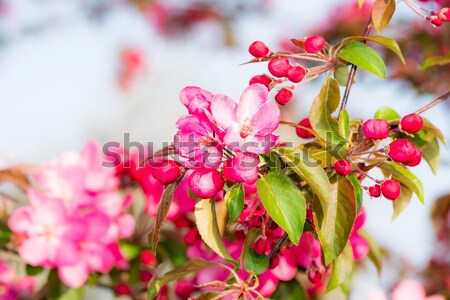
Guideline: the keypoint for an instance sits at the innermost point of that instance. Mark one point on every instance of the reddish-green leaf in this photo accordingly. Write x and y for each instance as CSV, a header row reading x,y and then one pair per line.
x,y
163,210
207,225
334,221
321,118
382,13
341,268
402,202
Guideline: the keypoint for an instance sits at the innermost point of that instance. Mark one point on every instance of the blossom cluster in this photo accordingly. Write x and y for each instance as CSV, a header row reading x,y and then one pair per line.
x,y
75,218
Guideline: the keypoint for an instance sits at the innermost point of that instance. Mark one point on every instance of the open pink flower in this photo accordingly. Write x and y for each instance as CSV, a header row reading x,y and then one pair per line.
x,y
196,100
241,168
50,233
359,245
198,143
405,290
12,288
248,126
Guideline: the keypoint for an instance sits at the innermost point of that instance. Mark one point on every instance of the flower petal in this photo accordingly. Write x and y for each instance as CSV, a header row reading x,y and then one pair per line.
x,y
223,110
251,100
267,118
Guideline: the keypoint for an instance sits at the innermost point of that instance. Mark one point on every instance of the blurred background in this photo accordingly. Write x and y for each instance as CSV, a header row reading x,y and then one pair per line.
x,y
76,70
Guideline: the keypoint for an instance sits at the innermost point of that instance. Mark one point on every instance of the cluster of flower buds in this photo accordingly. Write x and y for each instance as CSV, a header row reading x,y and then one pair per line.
x,y
436,18
280,66
400,150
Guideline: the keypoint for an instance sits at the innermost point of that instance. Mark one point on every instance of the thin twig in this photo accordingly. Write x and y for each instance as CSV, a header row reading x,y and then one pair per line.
x,y
351,76
434,102
277,246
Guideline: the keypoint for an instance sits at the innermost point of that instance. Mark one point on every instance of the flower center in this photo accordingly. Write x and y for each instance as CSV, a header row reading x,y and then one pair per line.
x,y
246,130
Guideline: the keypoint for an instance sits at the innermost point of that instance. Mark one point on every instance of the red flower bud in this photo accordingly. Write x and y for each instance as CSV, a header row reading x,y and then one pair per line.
x,y
279,67
375,191
391,189
147,258
343,167
145,276
258,49
296,74
302,132
405,152
260,246
165,171
436,21
314,44
444,14
184,288
376,129
240,233
411,123
261,79
314,275
122,289
255,222
206,183
191,236
283,96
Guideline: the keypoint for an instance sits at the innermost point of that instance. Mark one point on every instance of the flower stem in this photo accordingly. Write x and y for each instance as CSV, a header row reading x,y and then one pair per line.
x,y
434,102
351,76
277,246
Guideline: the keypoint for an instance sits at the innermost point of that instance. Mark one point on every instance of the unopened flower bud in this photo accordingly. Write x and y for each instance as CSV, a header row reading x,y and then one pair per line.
x,y
165,171
283,96
405,152
302,132
314,44
122,289
206,183
260,246
375,191
279,67
343,167
296,74
391,189
261,79
376,129
411,123
255,222
258,49
148,258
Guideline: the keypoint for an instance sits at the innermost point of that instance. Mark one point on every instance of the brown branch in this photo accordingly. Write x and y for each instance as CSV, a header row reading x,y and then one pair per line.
x,y
434,102
351,76
277,246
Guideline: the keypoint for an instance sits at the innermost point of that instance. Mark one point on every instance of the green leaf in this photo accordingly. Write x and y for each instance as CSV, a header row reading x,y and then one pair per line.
x,y
358,190
54,285
430,152
289,290
430,128
254,262
193,266
344,124
341,74
274,162
284,203
251,237
364,57
341,268
32,270
387,114
389,43
73,294
206,220
163,210
382,13
375,254
334,221
234,200
130,251
308,169
435,60
402,202
320,116
402,174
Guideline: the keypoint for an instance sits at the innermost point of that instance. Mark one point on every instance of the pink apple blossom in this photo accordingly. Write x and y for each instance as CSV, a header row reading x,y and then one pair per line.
x,y
359,245
247,126
241,168
13,288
